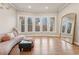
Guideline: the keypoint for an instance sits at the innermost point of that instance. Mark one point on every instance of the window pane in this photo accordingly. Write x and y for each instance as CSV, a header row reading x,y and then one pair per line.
x,y
44,24
22,24
22,20
29,24
37,24
22,28
52,23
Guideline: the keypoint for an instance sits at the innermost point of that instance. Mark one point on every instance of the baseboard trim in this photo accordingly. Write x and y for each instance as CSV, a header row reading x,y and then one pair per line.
x,y
76,43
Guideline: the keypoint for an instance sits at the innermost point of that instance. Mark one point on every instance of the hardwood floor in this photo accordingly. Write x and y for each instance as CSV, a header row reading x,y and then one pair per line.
x,y
51,46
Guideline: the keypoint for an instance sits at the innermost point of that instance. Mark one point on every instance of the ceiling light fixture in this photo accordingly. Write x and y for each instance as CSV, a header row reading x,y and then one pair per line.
x,y
29,7
46,7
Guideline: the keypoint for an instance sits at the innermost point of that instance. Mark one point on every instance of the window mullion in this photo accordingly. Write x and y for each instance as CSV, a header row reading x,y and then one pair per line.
x,y
48,24
33,21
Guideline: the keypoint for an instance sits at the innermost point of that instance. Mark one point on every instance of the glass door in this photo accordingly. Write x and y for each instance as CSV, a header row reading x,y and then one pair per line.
x,y
44,24
30,27
22,24
37,24
52,23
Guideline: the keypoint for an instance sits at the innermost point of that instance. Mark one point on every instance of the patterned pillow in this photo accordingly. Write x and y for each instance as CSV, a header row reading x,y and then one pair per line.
x,y
0,39
5,38
1,35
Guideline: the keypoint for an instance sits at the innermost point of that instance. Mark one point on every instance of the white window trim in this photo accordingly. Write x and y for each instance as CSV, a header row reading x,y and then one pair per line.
x,y
33,22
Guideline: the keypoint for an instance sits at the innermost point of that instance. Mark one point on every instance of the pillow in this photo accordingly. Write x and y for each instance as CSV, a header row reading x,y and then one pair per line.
x,y
11,35
0,39
1,35
15,33
5,38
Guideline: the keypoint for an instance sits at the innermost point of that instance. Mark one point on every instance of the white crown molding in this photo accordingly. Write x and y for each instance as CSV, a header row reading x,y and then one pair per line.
x,y
63,7
12,5
4,5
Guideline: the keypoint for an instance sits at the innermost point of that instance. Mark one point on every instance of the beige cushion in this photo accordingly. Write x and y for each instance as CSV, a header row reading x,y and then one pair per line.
x,y
11,35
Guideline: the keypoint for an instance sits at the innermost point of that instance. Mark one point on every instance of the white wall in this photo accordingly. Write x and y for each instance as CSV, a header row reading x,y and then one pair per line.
x,y
72,8
7,18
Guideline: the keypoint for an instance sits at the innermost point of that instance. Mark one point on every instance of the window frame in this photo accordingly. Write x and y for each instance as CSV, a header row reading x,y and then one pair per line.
x,y
33,26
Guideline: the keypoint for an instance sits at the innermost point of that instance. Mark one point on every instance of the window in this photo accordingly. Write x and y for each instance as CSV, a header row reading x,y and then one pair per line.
x,y
22,23
44,24
29,24
52,23
37,24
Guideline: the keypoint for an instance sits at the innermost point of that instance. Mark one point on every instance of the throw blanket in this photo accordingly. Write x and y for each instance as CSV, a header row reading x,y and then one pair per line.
x,y
5,47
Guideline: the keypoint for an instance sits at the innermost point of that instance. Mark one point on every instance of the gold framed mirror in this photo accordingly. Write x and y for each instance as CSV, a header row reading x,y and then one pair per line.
x,y
68,22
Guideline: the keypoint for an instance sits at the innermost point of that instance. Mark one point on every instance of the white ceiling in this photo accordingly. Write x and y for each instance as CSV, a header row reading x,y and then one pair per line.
x,y
39,7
